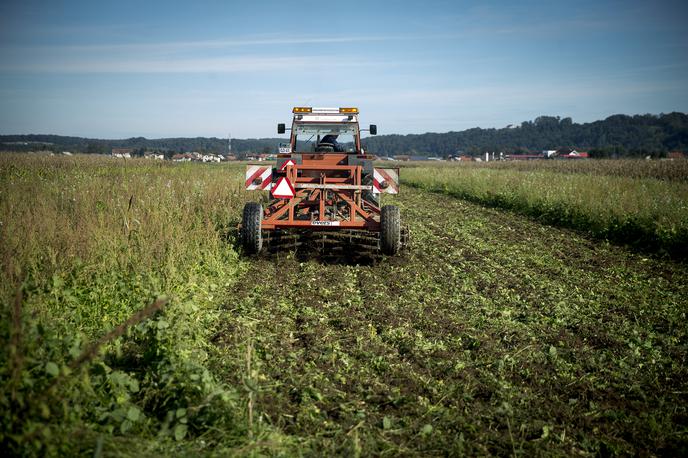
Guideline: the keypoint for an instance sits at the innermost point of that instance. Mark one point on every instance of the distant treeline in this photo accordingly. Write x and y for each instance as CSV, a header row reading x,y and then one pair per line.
x,y
616,136
59,143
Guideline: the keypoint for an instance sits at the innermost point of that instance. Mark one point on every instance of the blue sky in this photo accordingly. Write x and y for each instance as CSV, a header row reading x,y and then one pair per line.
x,y
167,69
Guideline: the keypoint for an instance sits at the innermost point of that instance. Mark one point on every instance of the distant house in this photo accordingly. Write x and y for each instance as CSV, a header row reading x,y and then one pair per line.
x,y
676,155
186,157
211,158
580,155
459,157
259,157
122,152
568,153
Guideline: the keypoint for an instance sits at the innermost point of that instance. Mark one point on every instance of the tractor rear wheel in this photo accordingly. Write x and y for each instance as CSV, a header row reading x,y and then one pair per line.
x,y
251,237
390,230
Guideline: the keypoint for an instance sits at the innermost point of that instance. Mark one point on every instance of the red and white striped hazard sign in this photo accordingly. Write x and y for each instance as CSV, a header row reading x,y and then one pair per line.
x,y
287,163
386,181
258,177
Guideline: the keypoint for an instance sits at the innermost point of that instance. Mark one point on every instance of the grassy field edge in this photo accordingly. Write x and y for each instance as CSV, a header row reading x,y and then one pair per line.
x,y
637,232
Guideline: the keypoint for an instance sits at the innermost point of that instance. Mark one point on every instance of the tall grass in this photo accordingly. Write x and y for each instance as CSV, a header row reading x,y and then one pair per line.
x,y
649,213
95,216
85,243
626,168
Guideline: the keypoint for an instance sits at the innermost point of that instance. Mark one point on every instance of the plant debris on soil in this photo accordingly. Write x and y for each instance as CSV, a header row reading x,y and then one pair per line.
x,y
493,334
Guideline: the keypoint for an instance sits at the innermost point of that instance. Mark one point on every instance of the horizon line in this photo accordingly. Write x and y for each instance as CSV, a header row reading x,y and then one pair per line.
x,y
508,126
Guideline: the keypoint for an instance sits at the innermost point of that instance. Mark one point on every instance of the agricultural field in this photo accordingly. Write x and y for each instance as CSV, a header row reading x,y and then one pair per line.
x,y
133,326
639,203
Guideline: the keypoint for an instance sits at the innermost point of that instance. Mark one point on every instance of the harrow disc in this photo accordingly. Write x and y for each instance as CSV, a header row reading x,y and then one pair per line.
x,y
349,244
346,245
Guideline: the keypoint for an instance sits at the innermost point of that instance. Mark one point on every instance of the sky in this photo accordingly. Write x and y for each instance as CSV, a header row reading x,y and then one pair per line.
x,y
217,68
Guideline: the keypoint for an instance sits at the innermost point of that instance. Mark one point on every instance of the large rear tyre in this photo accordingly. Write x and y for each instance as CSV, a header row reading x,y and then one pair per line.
x,y
390,230
251,237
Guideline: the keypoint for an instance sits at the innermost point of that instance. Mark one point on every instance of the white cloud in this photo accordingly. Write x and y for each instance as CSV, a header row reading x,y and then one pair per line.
x,y
229,64
196,45
210,56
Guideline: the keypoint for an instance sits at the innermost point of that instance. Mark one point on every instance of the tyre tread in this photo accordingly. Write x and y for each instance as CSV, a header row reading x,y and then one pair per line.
x,y
251,237
390,230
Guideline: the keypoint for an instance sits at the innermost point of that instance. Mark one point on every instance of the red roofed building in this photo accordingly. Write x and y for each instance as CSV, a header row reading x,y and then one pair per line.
x,y
567,153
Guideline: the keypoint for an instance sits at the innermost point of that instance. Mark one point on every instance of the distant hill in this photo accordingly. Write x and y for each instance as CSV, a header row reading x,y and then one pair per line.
x,y
618,135
60,143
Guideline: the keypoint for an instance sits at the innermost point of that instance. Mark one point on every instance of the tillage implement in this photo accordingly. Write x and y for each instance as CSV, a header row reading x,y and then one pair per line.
x,y
324,191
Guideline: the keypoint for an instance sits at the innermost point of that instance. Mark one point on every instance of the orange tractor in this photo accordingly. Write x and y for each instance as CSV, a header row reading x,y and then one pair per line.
x,y
324,190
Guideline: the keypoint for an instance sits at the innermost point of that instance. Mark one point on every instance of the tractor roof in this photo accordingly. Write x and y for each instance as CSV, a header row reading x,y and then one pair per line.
x,y
311,114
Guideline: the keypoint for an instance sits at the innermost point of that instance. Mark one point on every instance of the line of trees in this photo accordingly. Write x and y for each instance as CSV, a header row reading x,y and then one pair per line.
x,y
58,143
616,136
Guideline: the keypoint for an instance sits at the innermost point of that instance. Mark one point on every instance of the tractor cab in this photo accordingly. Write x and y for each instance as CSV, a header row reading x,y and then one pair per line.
x,y
325,130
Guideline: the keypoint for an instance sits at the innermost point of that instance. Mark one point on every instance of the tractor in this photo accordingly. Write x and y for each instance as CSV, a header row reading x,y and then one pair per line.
x,y
324,190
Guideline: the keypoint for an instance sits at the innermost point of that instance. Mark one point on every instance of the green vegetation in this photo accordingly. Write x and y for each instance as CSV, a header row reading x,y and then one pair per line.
x,y
494,334
86,243
616,136
597,197
629,168
59,143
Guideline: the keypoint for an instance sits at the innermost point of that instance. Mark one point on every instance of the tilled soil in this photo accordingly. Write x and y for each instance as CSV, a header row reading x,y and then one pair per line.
x,y
492,334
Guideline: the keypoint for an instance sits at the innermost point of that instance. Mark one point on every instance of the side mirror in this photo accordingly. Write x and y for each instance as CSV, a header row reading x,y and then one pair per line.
x,y
281,128
373,129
